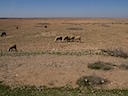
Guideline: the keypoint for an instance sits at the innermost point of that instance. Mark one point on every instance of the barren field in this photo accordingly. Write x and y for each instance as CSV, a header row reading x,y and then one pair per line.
x,y
41,61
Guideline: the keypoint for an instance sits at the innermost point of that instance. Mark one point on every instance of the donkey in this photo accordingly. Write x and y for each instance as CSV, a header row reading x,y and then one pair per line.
x,y
3,34
77,39
67,39
72,38
13,48
59,38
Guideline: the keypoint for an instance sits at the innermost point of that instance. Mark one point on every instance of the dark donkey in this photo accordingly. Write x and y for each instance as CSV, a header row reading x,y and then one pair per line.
x,y
3,34
13,48
67,39
59,38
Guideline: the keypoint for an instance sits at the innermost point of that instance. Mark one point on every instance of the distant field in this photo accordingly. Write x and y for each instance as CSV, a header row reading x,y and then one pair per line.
x,y
40,61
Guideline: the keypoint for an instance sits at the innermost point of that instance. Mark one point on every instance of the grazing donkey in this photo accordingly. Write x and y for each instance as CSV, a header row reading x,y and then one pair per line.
x,y
77,39
59,38
13,48
72,38
3,34
67,39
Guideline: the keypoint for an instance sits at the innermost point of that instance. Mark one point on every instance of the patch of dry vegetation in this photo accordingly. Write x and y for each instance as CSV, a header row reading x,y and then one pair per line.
x,y
101,66
74,28
124,66
115,53
91,81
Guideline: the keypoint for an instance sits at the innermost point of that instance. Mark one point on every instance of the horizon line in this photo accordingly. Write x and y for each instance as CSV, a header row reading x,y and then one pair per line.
x,y
53,17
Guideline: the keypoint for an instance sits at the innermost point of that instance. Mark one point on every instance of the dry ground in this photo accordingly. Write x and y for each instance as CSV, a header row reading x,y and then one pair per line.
x,y
58,69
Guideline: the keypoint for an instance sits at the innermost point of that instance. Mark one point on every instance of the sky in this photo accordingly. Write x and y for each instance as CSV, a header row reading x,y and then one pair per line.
x,y
64,8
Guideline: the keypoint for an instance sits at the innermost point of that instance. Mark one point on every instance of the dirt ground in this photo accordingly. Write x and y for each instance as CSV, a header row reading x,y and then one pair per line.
x,y
57,69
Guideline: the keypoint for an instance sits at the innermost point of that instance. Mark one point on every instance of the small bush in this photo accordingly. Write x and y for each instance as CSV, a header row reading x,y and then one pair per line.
x,y
101,66
124,66
116,53
91,81
74,28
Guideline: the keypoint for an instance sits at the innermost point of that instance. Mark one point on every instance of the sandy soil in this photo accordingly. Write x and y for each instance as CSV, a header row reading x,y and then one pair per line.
x,y
55,69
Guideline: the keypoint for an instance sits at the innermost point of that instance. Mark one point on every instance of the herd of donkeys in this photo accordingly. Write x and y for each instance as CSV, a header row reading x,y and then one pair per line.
x,y
71,38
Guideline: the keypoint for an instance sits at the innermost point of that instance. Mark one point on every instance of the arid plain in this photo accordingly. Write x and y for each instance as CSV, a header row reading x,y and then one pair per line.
x,y
41,61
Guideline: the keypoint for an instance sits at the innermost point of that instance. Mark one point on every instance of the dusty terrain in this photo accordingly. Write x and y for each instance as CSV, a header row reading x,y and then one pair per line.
x,y
43,63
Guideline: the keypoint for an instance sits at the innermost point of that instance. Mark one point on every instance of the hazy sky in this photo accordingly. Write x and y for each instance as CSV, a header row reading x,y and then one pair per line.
x,y
63,8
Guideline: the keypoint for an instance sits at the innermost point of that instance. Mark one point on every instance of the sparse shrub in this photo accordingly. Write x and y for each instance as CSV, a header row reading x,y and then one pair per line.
x,y
101,66
91,81
116,53
124,66
74,28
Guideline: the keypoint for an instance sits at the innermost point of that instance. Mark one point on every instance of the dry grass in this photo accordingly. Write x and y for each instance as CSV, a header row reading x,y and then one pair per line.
x,y
101,66
116,53
124,66
74,28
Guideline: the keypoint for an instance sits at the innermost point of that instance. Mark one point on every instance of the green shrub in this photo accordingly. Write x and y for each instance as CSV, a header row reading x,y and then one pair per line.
x,y
74,28
91,81
101,66
116,53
